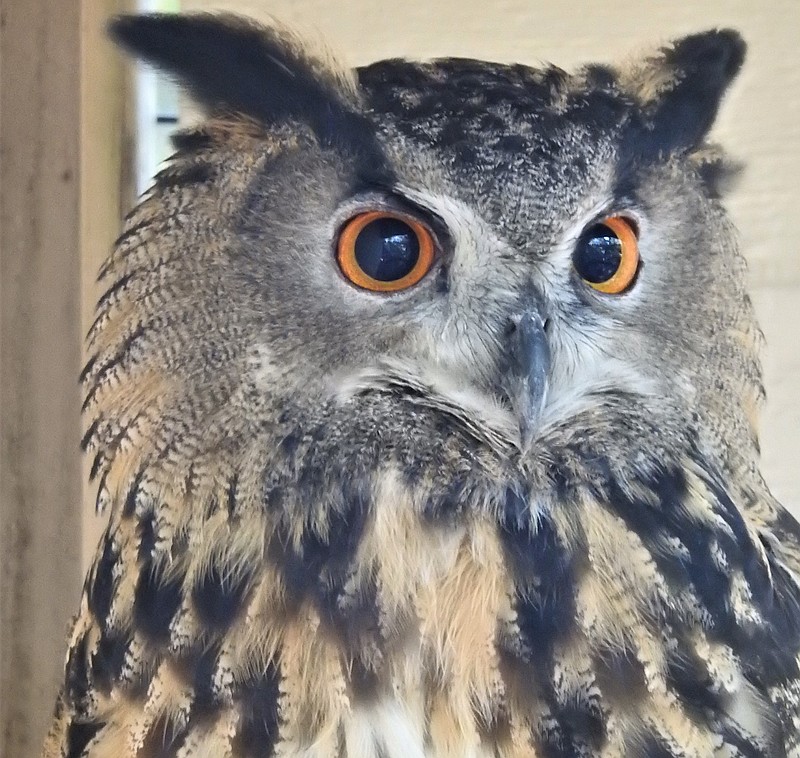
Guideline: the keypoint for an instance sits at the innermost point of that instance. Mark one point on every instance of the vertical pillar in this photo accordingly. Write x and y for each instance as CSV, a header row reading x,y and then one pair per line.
x,y
59,124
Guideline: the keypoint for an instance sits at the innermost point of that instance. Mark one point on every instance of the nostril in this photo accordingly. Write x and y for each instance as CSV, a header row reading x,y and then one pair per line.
x,y
513,324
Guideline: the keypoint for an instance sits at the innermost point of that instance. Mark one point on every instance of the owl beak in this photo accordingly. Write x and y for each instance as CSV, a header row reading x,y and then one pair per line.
x,y
528,371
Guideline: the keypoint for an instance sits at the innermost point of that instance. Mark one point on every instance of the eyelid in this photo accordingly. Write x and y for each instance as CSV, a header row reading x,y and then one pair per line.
x,y
395,203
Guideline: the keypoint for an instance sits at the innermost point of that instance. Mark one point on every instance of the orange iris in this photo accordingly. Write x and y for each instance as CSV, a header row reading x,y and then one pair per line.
x,y
607,255
385,251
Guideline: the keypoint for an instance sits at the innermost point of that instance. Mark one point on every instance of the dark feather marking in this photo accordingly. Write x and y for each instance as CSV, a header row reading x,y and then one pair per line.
x,y
786,527
654,747
219,596
110,262
545,576
258,726
600,76
233,483
363,679
756,572
178,175
163,740
129,506
668,519
767,651
446,503
192,141
555,739
148,273
719,177
101,590
103,302
289,444
307,571
146,531
204,666
443,279
512,143
77,674
79,735
355,620
97,463
688,676
87,368
747,748
497,728
109,447
108,660
711,582
157,598
120,354
443,102
769,654
581,728
620,675
320,568
131,231
90,433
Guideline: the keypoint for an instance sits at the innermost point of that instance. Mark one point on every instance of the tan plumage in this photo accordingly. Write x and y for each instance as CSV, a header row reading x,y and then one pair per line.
x,y
498,513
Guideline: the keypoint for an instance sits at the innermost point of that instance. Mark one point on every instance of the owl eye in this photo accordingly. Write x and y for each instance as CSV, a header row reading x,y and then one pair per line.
x,y
607,255
384,251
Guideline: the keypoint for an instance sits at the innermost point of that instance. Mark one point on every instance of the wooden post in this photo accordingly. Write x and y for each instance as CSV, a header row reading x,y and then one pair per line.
x,y
59,168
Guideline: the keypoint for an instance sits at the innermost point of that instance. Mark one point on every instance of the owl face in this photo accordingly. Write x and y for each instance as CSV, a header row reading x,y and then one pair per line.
x,y
514,191
525,246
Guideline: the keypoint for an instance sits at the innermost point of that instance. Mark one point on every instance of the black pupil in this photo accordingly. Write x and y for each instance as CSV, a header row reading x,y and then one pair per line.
x,y
598,254
387,249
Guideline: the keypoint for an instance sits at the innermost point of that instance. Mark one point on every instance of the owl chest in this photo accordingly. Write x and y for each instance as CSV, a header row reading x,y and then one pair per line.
x,y
404,660
489,639
408,638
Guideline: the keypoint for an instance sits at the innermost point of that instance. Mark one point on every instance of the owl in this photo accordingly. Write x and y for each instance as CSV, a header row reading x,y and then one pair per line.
x,y
422,402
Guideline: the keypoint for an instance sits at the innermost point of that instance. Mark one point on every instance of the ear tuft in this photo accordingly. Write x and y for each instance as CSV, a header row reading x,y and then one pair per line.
x,y
717,54
233,65
680,90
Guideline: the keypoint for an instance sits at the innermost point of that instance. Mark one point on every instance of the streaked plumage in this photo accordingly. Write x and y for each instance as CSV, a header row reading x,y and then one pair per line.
x,y
496,514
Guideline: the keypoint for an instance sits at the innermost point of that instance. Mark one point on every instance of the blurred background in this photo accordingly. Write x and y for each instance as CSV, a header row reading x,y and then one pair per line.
x,y
81,132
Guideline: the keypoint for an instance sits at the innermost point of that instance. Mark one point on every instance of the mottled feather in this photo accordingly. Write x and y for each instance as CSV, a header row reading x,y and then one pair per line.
x,y
330,532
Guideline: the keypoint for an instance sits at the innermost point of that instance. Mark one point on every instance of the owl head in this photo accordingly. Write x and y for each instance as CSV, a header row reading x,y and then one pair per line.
x,y
523,255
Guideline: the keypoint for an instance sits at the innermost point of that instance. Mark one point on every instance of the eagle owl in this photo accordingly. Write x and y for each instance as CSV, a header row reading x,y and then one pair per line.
x,y
422,399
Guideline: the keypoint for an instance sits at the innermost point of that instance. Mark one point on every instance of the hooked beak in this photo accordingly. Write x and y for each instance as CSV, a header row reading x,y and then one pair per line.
x,y
528,370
